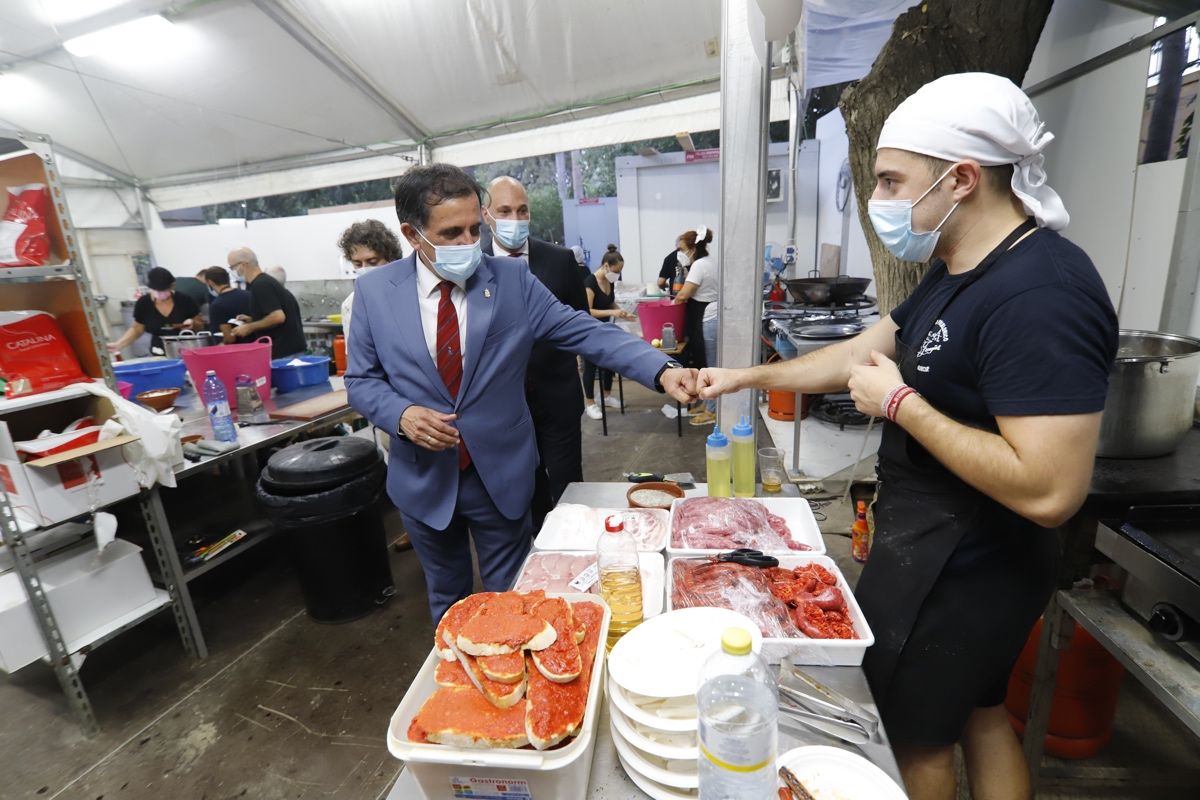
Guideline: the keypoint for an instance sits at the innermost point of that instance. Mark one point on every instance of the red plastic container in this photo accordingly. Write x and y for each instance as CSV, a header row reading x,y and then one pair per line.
x,y
1085,695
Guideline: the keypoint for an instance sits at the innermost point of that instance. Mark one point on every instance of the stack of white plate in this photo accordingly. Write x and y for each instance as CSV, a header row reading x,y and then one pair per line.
x,y
652,681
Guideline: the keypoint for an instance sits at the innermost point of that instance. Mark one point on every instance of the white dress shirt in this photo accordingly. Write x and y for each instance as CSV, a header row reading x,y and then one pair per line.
x,y
501,250
428,297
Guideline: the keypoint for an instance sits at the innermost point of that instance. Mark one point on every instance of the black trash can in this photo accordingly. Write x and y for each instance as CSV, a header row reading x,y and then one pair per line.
x,y
326,494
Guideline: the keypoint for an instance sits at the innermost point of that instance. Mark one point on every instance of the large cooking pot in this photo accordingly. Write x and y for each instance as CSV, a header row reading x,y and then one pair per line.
x,y
823,291
1151,395
173,346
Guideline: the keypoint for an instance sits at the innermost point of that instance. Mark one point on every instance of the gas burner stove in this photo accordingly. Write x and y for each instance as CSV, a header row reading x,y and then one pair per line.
x,y
864,306
1159,546
837,410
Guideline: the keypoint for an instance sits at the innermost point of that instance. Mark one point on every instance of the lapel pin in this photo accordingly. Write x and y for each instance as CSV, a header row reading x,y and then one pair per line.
x,y
487,292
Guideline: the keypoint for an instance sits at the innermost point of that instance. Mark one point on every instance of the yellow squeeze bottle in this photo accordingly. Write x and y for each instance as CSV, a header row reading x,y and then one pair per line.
x,y
744,456
717,458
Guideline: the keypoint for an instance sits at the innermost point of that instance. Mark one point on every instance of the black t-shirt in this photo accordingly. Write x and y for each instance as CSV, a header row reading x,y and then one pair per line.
x,y
194,289
226,306
268,295
600,300
670,263
145,312
1034,335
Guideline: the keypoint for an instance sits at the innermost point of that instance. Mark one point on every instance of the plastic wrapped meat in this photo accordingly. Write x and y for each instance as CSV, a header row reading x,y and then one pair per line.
x,y
571,526
727,523
800,603
553,572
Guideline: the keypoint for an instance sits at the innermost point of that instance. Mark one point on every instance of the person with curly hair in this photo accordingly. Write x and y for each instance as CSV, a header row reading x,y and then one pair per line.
x,y
367,245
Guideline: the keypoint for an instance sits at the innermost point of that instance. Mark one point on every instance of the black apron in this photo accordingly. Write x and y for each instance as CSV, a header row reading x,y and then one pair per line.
x,y
919,521
693,326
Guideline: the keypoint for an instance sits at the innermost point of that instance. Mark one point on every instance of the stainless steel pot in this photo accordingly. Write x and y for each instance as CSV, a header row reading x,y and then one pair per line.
x,y
173,346
1151,395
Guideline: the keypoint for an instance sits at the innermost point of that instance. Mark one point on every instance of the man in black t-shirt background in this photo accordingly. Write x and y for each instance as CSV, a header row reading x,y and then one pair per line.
x,y
992,377
274,311
229,302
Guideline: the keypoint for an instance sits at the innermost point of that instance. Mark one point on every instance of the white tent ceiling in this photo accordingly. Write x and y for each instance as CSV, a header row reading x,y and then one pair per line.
x,y
240,88
235,86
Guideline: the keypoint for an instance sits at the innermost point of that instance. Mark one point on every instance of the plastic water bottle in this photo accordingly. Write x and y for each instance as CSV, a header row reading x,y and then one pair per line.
x,y
716,461
741,438
620,578
219,415
738,704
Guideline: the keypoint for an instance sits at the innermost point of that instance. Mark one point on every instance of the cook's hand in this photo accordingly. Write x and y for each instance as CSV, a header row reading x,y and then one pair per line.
x,y
871,382
113,347
239,332
714,382
244,318
680,383
626,315
187,324
428,428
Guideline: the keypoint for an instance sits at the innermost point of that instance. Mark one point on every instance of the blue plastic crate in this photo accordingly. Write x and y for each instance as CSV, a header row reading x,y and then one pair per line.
x,y
146,375
286,378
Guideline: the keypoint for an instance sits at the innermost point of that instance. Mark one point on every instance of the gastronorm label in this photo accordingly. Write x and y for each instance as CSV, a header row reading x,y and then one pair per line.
x,y
489,789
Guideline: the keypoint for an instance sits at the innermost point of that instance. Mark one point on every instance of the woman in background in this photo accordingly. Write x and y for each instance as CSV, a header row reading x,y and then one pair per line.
x,y
601,297
700,292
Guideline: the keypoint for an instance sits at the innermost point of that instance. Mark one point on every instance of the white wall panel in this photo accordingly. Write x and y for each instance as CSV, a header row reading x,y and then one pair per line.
x,y
1152,232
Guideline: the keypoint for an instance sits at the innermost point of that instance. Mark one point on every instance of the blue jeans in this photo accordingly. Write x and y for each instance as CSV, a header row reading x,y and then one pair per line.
x,y
710,348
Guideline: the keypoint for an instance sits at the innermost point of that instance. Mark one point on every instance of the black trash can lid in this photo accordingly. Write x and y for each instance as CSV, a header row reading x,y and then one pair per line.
x,y
320,463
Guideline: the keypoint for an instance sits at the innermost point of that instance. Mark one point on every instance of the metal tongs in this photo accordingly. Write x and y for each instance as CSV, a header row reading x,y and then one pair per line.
x,y
748,558
805,700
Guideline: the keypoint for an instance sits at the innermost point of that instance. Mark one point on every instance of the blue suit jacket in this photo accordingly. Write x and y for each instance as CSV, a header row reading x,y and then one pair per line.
x,y
508,310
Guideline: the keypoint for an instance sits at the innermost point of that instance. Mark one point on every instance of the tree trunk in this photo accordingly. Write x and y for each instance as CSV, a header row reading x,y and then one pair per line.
x,y
1161,130
935,38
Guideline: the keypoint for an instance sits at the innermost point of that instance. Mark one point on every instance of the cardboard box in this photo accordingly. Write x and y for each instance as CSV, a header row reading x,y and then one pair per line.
x,y
86,590
58,487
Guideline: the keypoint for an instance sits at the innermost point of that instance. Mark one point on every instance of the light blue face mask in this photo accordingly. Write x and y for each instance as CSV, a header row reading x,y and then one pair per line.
x,y
892,220
455,262
512,233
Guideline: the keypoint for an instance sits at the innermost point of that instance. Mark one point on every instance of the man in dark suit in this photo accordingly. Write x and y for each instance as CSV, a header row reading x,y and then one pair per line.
x,y
552,386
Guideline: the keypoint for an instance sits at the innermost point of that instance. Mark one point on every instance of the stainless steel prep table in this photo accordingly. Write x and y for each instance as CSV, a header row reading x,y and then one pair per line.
x,y
250,439
608,779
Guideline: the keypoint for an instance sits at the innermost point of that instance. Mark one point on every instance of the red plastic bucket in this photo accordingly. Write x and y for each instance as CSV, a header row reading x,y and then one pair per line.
x,y
231,360
653,314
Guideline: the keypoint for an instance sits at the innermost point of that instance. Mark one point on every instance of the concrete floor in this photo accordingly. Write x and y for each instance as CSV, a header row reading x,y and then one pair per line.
x,y
287,708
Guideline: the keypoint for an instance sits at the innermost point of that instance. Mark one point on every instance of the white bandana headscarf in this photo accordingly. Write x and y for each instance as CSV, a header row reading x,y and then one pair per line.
x,y
989,119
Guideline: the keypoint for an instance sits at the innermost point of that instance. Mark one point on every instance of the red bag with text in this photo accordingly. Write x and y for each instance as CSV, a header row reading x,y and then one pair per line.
x,y
23,239
34,355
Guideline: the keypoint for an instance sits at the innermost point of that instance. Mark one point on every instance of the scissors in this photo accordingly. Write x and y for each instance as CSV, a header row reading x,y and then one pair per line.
x,y
748,558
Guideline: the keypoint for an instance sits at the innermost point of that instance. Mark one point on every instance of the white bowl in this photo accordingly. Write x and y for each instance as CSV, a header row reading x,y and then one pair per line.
x,y
648,745
662,657
656,790
650,767
626,706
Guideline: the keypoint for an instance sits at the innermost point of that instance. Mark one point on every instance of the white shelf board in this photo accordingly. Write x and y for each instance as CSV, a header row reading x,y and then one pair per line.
x,y
161,599
7,406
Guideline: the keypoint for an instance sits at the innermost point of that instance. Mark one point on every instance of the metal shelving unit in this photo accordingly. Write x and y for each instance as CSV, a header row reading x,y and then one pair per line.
x,y
65,656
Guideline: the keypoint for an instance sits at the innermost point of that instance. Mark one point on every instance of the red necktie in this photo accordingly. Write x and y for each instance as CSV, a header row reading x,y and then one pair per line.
x,y
449,355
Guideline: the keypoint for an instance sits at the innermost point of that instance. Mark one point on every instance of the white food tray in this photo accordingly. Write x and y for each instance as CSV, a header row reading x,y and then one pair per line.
x,y
796,512
812,652
561,529
650,565
561,772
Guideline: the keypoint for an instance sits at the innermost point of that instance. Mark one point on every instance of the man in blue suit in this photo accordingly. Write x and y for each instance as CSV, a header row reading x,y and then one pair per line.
x,y
438,355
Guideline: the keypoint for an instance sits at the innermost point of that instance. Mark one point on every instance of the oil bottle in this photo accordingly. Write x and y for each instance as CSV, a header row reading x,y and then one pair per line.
x,y
620,580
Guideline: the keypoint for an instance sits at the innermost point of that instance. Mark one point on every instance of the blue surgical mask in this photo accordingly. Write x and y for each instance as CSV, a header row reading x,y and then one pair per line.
x,y
892,220
213,293
455,262
512,233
